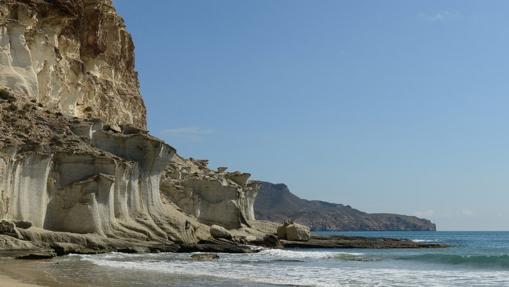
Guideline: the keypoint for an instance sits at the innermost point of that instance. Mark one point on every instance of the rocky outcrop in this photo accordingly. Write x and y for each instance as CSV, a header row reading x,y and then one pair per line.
x,y
212,196
79,176
276,203
358,242
204,256
80,185
75,56
78,171
293,232
219,232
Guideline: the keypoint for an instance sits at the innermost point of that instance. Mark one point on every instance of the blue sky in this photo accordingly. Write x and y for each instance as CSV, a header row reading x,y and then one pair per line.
x,y
389,106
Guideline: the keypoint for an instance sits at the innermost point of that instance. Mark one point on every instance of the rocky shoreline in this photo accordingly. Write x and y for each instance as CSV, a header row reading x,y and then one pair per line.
x,y
226,246
359,242
79,172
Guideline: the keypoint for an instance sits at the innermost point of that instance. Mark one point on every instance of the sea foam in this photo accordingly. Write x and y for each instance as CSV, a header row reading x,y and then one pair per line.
x,y
310,268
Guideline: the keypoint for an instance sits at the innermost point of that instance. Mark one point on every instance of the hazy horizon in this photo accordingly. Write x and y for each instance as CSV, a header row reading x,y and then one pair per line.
x,y
393,106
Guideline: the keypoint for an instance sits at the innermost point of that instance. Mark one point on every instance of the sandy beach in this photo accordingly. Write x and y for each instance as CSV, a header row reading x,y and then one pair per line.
x,y
8,281
19,273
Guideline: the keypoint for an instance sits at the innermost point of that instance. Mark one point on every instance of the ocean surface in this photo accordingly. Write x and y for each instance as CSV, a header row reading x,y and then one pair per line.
x,y
474,259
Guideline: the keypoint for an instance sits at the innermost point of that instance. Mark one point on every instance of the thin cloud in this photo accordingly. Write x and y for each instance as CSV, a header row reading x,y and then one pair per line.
x,y
187,133
439,16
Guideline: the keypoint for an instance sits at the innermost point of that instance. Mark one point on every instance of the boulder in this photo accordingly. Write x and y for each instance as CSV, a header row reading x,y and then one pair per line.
x,y
204,256
215,246
23,224
294,232
281,231
9,228
297,232
271,240
220,232
64,248
134,249
37,255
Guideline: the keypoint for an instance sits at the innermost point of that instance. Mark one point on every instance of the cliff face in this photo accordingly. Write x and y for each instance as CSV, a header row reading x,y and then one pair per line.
x,y
214,197
275,202
75,56
76,165
82,176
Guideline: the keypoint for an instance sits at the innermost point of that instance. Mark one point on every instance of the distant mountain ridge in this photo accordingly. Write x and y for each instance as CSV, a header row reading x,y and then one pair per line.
x,y
275,202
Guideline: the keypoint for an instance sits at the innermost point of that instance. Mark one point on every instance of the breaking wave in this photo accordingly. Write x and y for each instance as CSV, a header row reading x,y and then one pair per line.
x,y
293,274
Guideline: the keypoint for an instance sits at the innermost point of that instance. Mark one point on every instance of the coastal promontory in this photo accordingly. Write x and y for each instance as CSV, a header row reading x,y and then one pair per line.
x,y
79,171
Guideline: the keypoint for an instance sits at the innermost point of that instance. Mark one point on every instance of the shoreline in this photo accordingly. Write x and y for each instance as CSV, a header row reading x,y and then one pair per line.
x,y
12,282
348,242
16,273
28,273
25,273
288,266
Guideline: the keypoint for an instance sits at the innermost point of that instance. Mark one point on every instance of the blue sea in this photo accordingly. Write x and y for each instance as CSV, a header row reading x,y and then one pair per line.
x,y
474,259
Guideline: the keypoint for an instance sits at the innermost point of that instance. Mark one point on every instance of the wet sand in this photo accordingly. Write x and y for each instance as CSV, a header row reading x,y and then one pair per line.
x,y
20,273
8,281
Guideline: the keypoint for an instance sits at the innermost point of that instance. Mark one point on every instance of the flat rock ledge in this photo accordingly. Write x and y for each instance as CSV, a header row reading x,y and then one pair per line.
x,y
359,242
61,249
220,246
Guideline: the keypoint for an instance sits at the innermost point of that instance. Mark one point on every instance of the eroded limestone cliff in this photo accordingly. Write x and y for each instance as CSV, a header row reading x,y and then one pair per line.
x,y
212,196
75,56
77,168
82,176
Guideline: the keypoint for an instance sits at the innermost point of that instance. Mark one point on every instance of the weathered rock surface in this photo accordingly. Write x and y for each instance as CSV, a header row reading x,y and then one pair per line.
x,y
23,224
219,232
204,256
78,172
269,240
275,202
216,246
293,232
37,255
77,176
297,232
75,56
214,197
9,228
358,242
